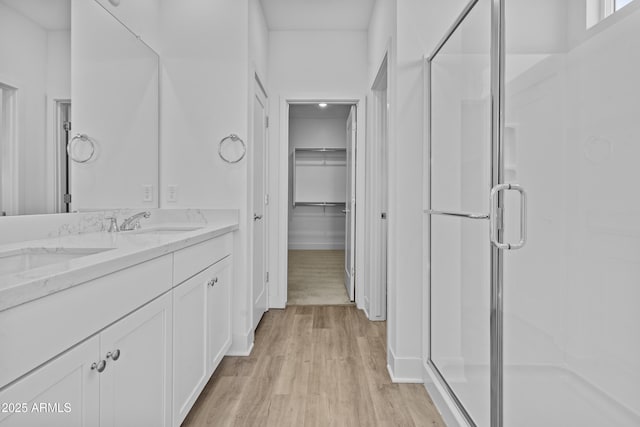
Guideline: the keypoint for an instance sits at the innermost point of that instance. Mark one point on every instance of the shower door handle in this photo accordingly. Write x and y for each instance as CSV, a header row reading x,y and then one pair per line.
x,y
497,216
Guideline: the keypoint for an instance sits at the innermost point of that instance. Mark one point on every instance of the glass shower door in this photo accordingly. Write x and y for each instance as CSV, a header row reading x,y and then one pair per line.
x,y
460,152
572,139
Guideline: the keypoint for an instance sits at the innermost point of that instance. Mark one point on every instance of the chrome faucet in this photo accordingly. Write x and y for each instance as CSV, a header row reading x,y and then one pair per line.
x,y
113,224
133,222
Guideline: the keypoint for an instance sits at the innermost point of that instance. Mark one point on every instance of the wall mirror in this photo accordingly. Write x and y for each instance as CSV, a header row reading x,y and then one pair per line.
x,y
69,68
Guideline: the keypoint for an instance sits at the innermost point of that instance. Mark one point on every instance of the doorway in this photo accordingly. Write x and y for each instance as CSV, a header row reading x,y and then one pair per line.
x,y
321,203
375,295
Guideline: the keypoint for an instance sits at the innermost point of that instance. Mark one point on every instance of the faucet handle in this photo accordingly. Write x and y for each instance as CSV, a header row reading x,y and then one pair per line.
x,y
113,225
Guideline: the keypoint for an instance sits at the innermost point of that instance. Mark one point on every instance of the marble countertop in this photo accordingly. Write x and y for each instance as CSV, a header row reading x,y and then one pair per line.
x,y
125,249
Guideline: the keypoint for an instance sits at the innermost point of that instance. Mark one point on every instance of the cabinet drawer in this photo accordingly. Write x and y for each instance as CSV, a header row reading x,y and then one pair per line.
x,y
192,260
34,332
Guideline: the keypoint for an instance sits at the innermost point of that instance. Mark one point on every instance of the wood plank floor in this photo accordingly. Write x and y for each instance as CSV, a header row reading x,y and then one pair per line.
x,y
316,278
312,366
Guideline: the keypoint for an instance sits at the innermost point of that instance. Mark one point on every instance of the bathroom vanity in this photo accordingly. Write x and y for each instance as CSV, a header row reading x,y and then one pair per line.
x,y
113,329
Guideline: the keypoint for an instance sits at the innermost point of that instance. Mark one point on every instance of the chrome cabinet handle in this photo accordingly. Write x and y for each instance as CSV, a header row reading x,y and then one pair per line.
x,y
100,366
497,218
213,281
114,355
256,217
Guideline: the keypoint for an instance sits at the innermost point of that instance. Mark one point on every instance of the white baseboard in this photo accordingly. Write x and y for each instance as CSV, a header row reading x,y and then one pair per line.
x,y
365,309
404,369
326,246
441,399
241,345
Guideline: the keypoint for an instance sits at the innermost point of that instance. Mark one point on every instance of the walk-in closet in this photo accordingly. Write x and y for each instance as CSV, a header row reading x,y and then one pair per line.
x,y
321,202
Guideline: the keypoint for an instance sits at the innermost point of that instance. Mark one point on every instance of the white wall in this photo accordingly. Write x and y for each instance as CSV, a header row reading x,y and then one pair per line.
x,y
205,63
313,227
59,64
210,51
306,65
115,102
323,63
411,29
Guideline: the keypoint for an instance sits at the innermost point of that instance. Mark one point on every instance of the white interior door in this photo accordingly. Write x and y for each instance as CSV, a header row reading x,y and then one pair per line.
x,y
350,206
259,201
375,289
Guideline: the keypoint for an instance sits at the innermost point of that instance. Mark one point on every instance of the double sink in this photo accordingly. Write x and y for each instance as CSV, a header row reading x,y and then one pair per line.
x,y
24,259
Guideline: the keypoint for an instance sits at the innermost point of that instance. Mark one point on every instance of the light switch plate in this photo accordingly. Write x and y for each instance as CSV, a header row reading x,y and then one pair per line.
x,y
172,194
147,193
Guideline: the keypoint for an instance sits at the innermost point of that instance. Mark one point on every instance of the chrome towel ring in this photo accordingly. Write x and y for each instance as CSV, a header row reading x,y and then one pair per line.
x,y
79,154
232,148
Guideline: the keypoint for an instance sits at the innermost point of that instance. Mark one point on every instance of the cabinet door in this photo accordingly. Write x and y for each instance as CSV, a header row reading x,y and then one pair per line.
x,y
135,388
190,371
63,392
219,313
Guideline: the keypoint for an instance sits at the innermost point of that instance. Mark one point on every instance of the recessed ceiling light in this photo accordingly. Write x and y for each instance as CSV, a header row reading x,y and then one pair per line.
x,y
322,105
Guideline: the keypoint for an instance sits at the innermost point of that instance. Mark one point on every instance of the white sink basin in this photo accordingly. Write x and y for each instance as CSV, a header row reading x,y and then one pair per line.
x,y
165,230
20,260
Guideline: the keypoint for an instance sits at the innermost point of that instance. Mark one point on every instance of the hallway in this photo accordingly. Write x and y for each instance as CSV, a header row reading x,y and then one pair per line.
x,y
312,366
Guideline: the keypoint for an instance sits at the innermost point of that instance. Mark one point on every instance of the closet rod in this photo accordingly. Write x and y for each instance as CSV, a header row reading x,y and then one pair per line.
x,y
322,204
322,150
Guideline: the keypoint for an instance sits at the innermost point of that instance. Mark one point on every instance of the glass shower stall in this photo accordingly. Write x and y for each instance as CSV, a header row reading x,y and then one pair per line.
x,y
534,214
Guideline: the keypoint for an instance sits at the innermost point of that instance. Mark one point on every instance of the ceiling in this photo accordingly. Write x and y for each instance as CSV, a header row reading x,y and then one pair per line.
x,y
313,111
280,14
51,15
317,14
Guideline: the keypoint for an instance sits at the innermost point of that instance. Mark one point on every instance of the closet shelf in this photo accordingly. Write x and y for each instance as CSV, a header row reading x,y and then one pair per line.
x,y
319,176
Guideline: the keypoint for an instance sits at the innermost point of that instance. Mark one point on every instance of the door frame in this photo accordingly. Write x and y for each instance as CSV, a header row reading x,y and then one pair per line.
x,y
454,409
377,243
11,164
350,210
55,202
278,292
257,85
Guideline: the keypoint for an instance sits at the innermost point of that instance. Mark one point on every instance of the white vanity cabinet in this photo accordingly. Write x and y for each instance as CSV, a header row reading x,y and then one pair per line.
x,y
190,370
135,387
201,323
219,312
115,377
68,382
133,347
